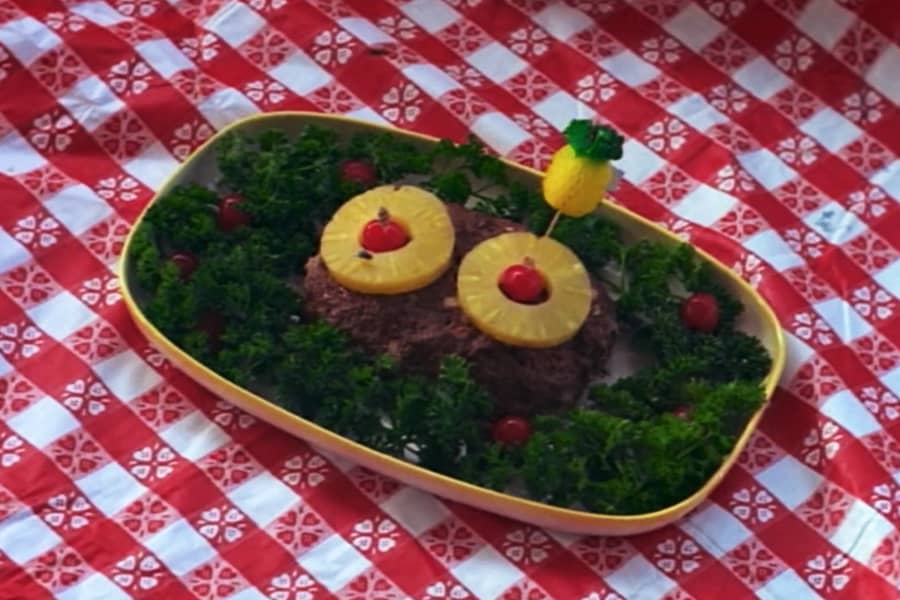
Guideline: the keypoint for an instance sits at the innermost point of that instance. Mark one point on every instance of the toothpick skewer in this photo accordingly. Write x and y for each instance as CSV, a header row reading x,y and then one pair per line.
x,y
552,224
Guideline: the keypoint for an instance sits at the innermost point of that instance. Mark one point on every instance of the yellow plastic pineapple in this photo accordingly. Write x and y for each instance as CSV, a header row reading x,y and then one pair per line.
x,y
580,173
524,290
388,240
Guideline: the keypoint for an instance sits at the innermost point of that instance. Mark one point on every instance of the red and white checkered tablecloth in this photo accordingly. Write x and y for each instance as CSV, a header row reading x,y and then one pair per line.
x,y
765,132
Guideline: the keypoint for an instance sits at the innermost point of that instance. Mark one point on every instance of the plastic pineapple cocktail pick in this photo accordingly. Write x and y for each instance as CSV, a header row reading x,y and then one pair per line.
x,y
532,291
580,173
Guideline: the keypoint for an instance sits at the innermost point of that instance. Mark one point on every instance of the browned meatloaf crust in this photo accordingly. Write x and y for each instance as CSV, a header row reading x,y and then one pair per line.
x,y
421,327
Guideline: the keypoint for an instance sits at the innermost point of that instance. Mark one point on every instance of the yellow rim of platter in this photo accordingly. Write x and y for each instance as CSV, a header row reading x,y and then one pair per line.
x,y
545,515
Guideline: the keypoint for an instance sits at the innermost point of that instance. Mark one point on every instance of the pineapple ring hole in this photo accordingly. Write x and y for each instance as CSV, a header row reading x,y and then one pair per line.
x,y
546,292
401,223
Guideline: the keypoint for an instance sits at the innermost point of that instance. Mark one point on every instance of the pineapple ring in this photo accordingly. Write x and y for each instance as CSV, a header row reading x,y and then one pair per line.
x,y
417,264
543,325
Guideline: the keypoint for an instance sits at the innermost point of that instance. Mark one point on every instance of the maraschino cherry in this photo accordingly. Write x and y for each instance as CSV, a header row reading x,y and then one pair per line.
x,y
511,431
230,215
185,262
522,282
360,171
383,234
700,312
682,412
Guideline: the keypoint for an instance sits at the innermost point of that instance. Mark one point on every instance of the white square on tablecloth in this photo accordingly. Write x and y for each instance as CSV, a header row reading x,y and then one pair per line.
x,y
164,57
787,585
18,156
882,75
12,253
694,27
846,410
694,110
716,529
830,129
365,30
415,510
263,498
24,536
638,578
110,488
629,68
93,586
78,208
127,375
861,532
770,246
61,315
496,62
499,131
564,538
825,21
430,15
152,166
248,593
798,352
843,318
226,106
790,481
340,463
766,167
194,436
43,422
704,205
834,223
889,179
434,81
367,114
487,573
334,562
300,74
638,162
180,547
888,277
760,78
560,108
27,39
235,23
562,21
5,367
99,13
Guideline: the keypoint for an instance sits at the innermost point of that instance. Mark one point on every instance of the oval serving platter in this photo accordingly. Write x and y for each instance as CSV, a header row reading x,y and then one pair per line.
x,y
758,320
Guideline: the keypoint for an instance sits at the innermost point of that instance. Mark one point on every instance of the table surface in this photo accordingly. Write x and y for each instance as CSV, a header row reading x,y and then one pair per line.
x,y
764,132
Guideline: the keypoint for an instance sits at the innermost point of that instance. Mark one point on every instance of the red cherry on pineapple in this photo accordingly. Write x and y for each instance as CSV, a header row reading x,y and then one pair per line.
x,y
522,283
359,171
230,215
383,234
511,431
185,263
700,312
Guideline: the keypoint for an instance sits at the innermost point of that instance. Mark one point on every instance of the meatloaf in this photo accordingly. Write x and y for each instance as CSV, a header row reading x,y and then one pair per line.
x,y
419,328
